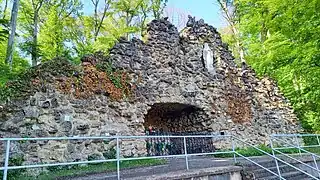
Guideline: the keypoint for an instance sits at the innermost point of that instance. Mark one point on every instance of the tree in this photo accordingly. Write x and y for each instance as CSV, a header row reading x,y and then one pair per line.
x,y
4,11
157,7
50,28
53,35
128,10
36,5
97,20
99,32
229,10
4,23
13,24
176,16
30,10
281,40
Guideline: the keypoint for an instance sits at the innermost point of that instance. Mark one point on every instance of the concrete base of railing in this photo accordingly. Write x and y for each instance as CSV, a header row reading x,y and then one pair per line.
x,y
221,173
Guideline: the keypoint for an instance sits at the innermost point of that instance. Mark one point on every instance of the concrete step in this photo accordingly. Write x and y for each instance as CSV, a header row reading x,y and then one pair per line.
x,y
249,166
288,175
287,171
260,173
267,164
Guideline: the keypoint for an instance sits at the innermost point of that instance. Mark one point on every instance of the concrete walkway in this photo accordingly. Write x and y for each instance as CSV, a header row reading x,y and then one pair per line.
x,y
174,164
179,165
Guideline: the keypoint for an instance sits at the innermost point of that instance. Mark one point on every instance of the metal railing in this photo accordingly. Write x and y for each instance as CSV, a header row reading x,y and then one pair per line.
x,y
229,138
262,151
118,159
285,145
297,142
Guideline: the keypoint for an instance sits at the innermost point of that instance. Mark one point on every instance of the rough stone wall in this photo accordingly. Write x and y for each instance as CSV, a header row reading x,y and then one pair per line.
x,y
53,114
169,68
172,70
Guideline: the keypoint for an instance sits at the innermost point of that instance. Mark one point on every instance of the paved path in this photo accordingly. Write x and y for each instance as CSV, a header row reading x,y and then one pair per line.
x,y
174,164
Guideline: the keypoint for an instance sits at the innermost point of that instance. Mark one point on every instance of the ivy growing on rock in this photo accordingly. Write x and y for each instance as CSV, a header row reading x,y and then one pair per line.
x,y
94,76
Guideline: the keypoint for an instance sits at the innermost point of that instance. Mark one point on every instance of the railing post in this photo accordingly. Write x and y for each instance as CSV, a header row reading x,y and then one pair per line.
x,y
315,162
185,152
118,159
318,140
6,161
233,150
298,144
274,157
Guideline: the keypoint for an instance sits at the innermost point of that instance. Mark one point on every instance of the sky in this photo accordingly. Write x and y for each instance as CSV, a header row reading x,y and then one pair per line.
x,y
205,9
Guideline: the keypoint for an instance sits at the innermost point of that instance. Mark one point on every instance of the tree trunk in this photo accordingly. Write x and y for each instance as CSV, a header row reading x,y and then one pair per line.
x,y
234,29
13,25
127,24
263,33
5,9
34,51
95,3
99,25
238,44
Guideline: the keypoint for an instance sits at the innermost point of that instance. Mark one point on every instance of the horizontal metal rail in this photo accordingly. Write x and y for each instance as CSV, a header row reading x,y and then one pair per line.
x,y
298,147
111,137
294,135
111,160
118,159
289,147
276,158
213,153
124,138
58,164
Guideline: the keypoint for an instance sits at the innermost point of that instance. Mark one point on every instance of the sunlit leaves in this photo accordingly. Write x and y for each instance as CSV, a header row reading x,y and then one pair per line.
x,y
290,53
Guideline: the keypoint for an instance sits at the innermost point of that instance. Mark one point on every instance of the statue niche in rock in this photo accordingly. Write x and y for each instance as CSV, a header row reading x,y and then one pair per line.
x,y
208,59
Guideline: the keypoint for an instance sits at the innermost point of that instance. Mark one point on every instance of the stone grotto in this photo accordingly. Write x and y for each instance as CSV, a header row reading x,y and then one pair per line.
x,y
183,82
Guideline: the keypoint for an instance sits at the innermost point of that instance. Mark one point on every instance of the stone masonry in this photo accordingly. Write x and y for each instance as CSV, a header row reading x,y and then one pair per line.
x,y
176,92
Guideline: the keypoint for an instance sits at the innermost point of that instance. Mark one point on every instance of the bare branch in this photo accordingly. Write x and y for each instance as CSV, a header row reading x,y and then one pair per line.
x,y
98,26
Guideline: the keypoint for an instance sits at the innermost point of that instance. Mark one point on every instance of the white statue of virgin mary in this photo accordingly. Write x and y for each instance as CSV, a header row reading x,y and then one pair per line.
x,y
208,58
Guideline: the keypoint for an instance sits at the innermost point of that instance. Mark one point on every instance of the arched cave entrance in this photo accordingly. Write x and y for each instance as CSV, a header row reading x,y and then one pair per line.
x,y
176,119
173,118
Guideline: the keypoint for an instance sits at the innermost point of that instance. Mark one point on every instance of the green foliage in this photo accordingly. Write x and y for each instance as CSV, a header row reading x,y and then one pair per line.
x,y
4,32
61,28
251,151
157,7
310,140
19,65
53,36
114,75
281,40
111,154
15,161
34,79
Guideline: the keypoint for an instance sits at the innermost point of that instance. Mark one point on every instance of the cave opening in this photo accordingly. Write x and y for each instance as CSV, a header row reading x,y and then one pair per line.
x,y
165,119
173,118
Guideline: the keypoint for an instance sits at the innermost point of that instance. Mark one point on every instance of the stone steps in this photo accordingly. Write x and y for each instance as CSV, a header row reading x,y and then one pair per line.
x,y
264,173
287,172
288,175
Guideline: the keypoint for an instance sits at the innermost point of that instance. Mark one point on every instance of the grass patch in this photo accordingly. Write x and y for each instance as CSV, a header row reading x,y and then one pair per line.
x,y
58,172
315,150
250,151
